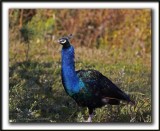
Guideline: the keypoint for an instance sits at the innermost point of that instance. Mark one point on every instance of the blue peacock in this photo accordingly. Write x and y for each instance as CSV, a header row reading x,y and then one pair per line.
x,y
89,88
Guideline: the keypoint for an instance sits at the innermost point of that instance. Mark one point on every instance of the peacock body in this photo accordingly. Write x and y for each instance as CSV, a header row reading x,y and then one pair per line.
x,y
89,88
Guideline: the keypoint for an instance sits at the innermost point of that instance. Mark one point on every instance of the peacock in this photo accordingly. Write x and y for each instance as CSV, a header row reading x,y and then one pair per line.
x,y
89,88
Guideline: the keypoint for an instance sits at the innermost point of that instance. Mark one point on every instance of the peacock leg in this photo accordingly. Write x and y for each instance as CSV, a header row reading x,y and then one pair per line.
x,y
90,115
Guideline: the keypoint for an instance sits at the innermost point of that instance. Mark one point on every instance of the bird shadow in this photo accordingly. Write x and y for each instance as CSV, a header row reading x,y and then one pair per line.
x,y
36,94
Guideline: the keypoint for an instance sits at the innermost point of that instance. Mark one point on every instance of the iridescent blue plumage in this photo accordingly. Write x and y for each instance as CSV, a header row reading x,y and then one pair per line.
x,y
70,79
89,88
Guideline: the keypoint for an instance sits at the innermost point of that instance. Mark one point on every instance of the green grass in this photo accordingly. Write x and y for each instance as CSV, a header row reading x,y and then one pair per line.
x,y
36,93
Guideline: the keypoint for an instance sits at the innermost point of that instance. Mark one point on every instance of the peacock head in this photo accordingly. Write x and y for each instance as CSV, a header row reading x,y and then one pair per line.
x,y
65,41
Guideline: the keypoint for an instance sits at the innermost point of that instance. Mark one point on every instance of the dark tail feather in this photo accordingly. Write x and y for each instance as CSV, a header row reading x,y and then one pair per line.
x,y
113,102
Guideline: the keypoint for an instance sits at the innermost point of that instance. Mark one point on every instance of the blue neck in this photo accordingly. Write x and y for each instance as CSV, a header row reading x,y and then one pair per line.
x,y
69,77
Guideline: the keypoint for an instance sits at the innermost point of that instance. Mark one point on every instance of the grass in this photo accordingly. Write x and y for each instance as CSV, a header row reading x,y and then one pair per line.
x,y
36,93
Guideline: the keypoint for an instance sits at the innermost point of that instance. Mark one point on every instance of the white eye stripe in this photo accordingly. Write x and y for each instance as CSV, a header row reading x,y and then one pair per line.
x,y
63,41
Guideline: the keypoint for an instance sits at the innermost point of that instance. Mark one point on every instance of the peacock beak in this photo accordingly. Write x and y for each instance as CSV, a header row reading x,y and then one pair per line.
x,y
59,41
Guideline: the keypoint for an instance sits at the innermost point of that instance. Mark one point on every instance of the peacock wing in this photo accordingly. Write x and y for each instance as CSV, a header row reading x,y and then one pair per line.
x,y
101,86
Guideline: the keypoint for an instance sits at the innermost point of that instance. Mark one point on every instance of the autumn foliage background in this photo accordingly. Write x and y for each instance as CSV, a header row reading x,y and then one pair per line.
x,y
117,42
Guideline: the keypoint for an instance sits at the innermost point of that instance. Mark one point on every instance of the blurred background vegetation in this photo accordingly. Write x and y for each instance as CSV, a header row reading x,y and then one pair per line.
x,y
117,42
